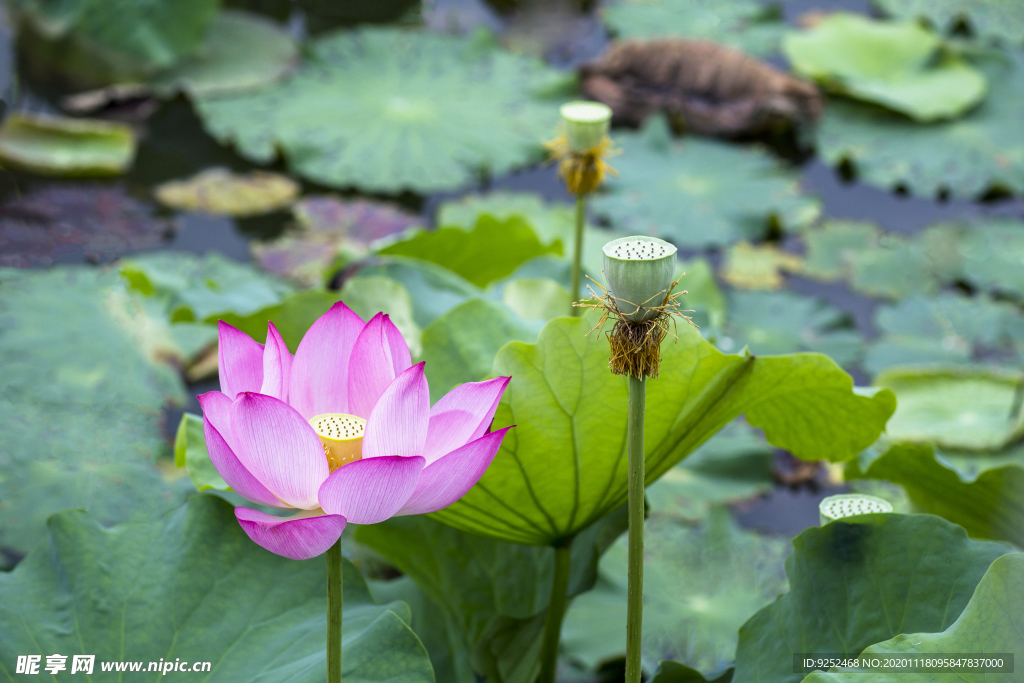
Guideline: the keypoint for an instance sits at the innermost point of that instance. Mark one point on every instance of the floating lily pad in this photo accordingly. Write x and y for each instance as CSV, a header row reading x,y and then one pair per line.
x,y
51,145
770,323
434,289
192,586
219,191
389,109
198,288
982,492
1001,19
734,464
696,193
750,267
52,223
987,253
490,251
861,580
116,40
832,247
981,152
746,24
240,51
893,64
488,591
700,585
990,623
329,232
974,409
80,406
564,465
943,330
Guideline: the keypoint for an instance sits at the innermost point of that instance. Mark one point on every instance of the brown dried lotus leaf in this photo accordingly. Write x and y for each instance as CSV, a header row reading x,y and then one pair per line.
x,y
710,88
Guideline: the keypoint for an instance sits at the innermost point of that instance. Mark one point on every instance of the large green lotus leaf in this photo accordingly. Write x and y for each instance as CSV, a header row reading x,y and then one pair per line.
x,y
241,51
492,250
489,592
536,298
460,346
190,452
859,581
982,151
200,288
1001,19
784,322
975,409
564,465
118,39
193,586
832,247
700,586
983,493
50,145
942,330
389,109
550,221
696,192
991,253
888,63
434,289
734,464
990,623
80,405
745,24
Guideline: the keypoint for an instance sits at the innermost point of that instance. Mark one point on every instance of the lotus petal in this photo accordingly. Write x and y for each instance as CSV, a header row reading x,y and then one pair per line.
x,y
380,354
398,423
462,415
239,361
319,377
277,365
298,538
370,491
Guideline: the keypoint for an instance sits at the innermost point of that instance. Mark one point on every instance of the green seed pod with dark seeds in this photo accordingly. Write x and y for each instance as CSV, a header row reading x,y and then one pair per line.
x,y
638,271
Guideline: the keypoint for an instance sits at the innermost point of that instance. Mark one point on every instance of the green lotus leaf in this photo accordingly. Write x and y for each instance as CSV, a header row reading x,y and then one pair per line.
x,y
388,109
975,409
784,322
460,346
1000,19
700,586
490,251
859,581
943,330
434,289
536,298
703,296
745,24
733,465
990,623
100,41
889,63
50,145
982,492
190,452
241,51
564,465
487,591
967,157
987,253
193,586
201,288
832,247
550,221
80,405
696,192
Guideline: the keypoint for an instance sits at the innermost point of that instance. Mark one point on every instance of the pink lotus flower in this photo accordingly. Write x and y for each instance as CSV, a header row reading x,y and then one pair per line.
x,y
343,431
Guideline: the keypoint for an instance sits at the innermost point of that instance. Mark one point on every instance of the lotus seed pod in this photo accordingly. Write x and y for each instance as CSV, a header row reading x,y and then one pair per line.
x,y
586,124
639,273
850,504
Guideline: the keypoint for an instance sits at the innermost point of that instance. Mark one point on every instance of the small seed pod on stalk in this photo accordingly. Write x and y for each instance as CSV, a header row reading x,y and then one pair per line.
x,y
639,298
581,151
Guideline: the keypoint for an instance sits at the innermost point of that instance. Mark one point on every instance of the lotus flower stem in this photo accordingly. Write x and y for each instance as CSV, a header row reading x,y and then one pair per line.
x,y
577,256
556,613
635,506
334,588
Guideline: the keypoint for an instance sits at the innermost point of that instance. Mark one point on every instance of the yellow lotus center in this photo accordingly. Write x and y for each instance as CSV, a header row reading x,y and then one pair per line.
x,y
342,437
